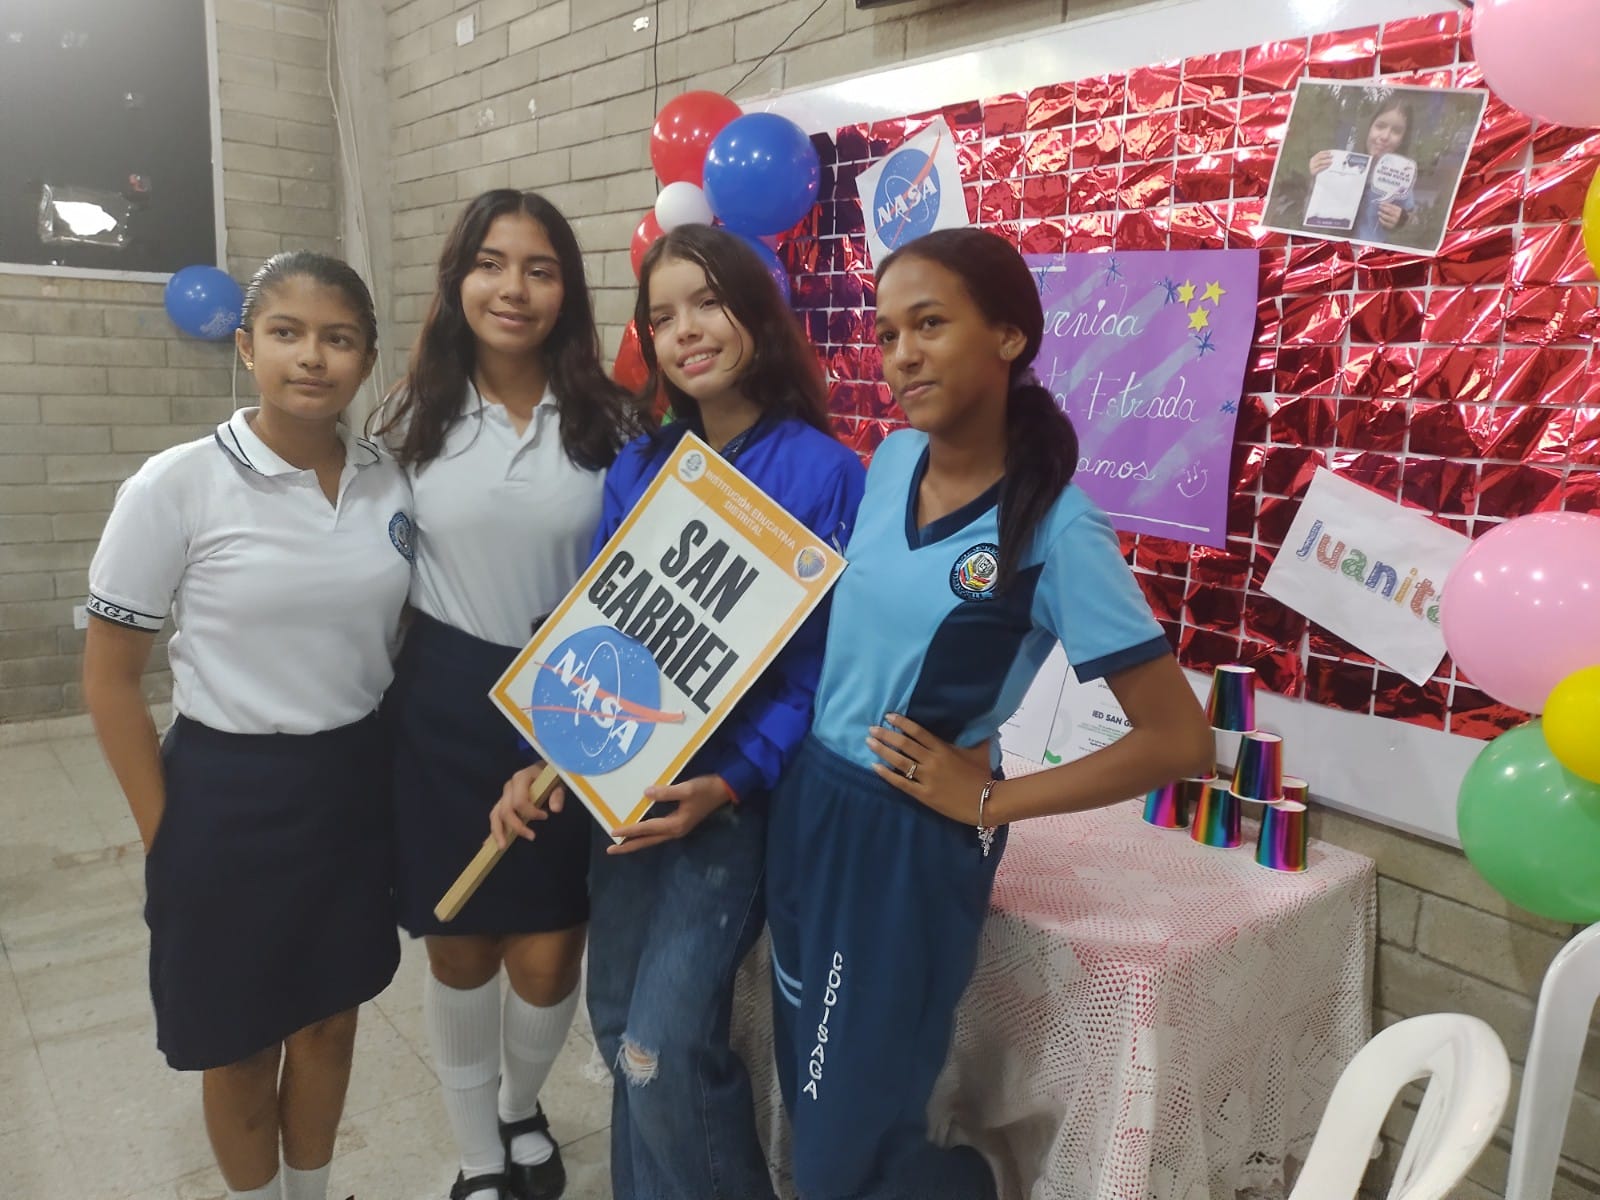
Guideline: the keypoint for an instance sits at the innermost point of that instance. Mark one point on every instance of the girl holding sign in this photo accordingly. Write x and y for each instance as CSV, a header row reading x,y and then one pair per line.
x,y
280,545
678,903
1386,199
973,553
505,425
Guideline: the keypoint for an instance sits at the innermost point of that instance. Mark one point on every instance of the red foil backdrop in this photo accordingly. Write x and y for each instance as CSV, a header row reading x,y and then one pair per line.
x,y
1463,385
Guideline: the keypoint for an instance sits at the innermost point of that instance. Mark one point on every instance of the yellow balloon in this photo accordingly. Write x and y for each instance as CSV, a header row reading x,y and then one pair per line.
x,y
1572,722
1591,222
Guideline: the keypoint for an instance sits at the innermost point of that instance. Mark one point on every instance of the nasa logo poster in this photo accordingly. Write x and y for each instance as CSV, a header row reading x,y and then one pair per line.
x,y
697,591
913,190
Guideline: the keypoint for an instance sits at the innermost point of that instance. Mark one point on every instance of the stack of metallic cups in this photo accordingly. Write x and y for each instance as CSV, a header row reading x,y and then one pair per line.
x,y
1231,709
1211,808
1216,808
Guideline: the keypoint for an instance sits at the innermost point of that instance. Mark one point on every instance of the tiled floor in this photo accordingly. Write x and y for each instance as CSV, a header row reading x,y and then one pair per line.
x,y
89,1109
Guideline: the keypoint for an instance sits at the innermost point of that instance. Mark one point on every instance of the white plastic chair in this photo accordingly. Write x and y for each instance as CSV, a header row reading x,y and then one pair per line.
x,y
1469,1079
1560,1027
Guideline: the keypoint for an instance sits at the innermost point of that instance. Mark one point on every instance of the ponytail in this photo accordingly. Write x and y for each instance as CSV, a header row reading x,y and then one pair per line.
x,y
1041,458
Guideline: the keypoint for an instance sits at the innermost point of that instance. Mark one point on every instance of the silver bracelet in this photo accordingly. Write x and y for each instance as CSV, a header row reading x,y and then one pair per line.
x,y
985,832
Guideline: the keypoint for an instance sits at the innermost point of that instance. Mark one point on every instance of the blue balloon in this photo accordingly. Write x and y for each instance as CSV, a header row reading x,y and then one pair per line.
x,y
204,302
769,259
762,173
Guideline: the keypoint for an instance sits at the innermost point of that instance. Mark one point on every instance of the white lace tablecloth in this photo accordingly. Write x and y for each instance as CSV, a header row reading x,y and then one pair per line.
x,y
1149,1018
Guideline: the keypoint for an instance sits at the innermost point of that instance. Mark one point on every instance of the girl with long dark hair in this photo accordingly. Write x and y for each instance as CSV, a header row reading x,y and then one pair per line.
x,y
505,424
678,903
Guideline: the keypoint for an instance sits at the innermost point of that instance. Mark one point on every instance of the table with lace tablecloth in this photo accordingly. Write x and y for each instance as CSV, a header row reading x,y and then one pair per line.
x,y
1149,1018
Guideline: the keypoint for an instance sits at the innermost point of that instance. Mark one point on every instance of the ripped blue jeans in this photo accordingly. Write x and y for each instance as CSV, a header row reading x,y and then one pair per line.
x,y
668,929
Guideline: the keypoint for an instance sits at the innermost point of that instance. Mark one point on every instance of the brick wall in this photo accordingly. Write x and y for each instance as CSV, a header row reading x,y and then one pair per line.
x,y
558,95
94,377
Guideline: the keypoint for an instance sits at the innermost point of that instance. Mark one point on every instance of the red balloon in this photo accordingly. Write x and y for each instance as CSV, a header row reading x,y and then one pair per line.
x,y
643,238
683,130
629,369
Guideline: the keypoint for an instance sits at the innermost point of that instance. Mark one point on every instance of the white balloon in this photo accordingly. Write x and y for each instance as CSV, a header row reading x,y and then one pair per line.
x,y
682,203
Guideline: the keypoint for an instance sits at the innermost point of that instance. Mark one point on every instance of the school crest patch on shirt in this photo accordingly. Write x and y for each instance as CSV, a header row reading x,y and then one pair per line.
x,y
973,575
402,535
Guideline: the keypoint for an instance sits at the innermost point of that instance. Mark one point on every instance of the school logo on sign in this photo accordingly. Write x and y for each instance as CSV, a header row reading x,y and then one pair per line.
x,y
975,570
596,701
905,203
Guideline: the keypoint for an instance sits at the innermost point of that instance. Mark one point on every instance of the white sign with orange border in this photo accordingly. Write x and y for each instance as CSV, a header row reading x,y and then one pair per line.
x,y
701,586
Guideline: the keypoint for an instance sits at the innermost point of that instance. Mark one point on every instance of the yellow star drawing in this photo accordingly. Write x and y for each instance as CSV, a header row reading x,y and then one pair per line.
x,y
1214,293
1199,318
1186,292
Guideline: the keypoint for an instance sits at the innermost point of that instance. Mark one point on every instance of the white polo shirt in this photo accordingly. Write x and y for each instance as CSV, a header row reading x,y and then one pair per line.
x,y
504,522
287,608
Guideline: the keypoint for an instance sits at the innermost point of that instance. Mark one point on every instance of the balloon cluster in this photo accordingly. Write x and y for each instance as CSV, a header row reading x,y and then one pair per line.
x,y
1542,57
756,173
1521,617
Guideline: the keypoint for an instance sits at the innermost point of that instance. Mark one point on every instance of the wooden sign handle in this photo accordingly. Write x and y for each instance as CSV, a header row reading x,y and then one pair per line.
x,y
468,882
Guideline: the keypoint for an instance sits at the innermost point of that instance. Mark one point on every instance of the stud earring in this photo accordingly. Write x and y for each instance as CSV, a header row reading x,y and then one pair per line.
x,y
248,365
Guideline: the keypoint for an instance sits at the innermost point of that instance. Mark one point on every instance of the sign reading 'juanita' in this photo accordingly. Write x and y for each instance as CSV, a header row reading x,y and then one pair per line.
x,y
682,610
1370,570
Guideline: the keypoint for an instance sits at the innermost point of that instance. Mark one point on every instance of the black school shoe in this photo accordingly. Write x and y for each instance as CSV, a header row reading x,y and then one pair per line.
x,y
542,1181
492,1186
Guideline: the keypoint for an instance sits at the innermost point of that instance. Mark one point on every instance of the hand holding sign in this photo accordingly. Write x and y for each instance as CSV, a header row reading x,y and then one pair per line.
x,y
682,610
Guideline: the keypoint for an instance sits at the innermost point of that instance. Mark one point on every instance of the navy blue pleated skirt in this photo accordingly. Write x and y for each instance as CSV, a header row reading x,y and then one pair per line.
x,y
269,887
453,752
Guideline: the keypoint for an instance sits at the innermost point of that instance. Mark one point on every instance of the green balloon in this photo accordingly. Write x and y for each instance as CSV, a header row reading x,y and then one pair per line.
x,y
1532,828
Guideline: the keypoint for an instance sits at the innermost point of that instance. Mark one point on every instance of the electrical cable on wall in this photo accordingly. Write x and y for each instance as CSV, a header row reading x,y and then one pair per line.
x,y
763,59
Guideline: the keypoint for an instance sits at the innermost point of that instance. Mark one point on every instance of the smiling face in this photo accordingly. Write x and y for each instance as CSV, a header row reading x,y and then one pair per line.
x,y
702,348
512,294
942,358
1387,133
307,348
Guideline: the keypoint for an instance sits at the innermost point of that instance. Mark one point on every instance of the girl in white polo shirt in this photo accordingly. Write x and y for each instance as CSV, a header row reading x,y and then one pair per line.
x,y
505,425
281,547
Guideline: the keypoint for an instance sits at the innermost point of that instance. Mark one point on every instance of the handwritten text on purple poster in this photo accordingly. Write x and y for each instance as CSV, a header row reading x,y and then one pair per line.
x,y
1146,352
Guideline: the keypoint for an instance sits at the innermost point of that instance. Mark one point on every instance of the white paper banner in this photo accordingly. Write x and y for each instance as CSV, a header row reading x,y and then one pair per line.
x,y
1370,570
912,190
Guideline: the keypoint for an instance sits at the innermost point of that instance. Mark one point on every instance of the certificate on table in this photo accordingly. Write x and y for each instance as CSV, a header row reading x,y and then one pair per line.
x,y
700,587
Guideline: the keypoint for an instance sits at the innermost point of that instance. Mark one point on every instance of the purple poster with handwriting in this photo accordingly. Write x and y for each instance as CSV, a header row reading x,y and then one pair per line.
x,y
1146,352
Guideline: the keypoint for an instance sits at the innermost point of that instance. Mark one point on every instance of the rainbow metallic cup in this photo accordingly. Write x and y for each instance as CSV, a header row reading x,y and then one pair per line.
x,y
1282,844
1169,807
1216,819
1296,789
1258,773
1232,704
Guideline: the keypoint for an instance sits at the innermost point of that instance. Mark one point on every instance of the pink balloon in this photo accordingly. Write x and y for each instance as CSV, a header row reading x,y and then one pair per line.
x,y
1521,609
1542,56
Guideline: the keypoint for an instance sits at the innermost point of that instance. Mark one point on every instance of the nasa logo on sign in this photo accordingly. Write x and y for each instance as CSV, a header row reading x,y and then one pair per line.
x,y
905,204
596,701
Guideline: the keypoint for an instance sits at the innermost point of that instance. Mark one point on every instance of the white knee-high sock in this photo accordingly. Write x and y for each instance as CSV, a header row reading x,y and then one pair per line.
x,y
306,1185
464,1030
531,1039
267,1191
